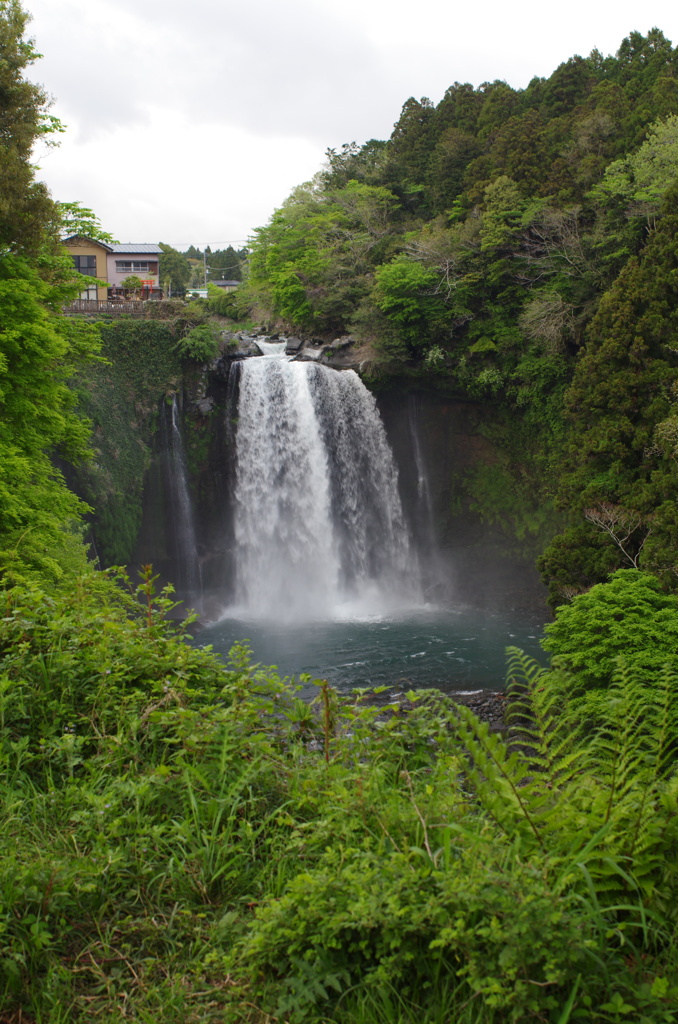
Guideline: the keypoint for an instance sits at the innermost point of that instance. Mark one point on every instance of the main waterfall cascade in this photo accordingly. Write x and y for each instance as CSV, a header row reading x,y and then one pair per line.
x,y
319,527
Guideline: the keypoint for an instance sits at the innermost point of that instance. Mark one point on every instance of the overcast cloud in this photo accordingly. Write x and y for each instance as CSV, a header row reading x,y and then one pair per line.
x,y
192,122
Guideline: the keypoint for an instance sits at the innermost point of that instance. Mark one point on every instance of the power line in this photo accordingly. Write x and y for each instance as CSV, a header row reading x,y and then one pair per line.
x,y
231,241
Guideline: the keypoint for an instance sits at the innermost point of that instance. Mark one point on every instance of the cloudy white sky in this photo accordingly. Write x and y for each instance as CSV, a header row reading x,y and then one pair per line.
x,y
190,122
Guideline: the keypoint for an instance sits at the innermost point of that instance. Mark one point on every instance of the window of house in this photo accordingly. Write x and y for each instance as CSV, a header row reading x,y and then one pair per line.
x,y
86,265
135,267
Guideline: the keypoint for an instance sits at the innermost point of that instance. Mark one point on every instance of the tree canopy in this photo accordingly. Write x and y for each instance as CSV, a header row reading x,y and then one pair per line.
x,y
517,245
27,212
76,219
175,270
39,348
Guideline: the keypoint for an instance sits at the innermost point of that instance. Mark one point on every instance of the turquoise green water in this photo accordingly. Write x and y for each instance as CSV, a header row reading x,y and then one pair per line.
x,y
454,651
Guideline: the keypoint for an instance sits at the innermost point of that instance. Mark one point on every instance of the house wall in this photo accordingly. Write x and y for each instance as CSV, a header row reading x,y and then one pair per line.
x,y
116,277
84,247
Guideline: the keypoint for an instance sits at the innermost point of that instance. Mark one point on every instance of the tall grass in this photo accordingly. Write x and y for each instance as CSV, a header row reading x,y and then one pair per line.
x,y
184,841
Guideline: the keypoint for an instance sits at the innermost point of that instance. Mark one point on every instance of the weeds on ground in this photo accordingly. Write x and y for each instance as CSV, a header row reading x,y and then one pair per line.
x,y
190,842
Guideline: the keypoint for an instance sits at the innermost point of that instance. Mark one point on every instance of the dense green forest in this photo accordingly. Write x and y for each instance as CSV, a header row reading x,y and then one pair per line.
x,y
518,247
188,841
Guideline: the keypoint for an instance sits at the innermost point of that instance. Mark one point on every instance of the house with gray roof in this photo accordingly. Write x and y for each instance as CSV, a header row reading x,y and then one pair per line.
x,y
134,259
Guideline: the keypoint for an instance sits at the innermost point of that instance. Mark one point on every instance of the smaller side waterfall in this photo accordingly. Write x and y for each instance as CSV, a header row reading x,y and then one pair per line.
x,y
424,506
188,582
421,508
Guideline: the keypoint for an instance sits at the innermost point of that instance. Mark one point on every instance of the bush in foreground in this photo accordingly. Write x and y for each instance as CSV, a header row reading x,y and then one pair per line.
x,y
191,842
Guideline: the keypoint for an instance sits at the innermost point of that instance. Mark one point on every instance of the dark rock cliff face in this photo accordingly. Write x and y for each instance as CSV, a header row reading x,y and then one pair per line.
x,y
208,422
439,443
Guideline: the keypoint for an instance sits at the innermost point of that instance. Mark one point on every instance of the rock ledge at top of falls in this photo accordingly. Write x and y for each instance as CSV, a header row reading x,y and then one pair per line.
x,y
240,345
338,354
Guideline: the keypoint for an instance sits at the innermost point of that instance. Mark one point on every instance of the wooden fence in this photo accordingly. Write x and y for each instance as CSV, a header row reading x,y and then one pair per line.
x,y
112,307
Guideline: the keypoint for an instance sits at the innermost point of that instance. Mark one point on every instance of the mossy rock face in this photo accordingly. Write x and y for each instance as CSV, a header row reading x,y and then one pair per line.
x,y
121,398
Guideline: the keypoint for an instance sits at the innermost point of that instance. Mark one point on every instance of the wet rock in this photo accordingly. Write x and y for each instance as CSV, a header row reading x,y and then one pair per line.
x,y
239,346
342,343
205,406
294,345
488,707
307,354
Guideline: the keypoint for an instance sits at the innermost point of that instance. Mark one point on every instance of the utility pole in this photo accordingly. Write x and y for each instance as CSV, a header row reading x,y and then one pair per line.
x,y
204,263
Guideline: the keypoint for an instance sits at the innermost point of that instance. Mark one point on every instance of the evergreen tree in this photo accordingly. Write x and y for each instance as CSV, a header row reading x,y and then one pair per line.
x,y
622,391
225,265
26,209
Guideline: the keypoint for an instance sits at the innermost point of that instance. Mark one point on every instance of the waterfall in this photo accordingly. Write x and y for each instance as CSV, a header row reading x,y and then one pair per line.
x,y
319,526
424,504
433,576
188,581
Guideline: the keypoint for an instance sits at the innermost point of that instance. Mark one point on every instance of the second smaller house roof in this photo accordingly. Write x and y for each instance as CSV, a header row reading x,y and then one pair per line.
x,y
72,239
135,247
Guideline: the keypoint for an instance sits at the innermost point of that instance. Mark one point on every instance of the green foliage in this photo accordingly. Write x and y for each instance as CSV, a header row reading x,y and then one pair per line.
x,y
76,219
39,352
406,293
27,213
106,651
132,283
225,265
342,860
223,303
621,394
174,269
121,399
388,919
200,344
504,206
508,496
626,618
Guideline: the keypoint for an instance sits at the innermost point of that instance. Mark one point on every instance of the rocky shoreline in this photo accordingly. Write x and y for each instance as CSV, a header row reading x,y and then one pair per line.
x,y
487,705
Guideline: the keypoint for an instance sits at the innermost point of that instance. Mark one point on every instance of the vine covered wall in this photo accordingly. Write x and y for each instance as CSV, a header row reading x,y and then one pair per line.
x,y
121,395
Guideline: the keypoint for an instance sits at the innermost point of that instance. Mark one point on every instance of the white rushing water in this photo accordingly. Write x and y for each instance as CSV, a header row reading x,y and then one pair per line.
x,y
319,526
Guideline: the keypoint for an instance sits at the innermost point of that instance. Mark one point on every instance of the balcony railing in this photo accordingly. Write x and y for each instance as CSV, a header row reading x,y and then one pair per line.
x,y
114,307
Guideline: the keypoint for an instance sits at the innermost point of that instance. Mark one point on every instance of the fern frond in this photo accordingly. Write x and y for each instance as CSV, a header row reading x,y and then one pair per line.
x,y
500,777
594,798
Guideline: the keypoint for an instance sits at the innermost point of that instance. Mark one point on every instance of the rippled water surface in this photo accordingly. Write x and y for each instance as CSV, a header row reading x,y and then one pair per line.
x,y
452,650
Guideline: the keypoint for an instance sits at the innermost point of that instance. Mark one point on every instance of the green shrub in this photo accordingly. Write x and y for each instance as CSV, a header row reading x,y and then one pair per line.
x,y
200,344
628,617
224,303
393,920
